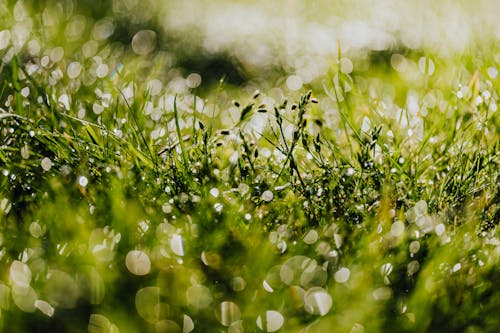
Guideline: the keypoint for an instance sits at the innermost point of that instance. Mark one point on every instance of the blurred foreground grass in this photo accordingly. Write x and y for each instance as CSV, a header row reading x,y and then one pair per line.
x,y
153,188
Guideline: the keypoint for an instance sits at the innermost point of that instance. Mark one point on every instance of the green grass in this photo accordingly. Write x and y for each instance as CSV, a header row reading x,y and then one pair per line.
x,y
366,201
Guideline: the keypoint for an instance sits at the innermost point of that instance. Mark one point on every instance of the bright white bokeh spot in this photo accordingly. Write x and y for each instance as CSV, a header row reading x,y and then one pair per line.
x,y
317,301
176,245
414,246
440,229
426,65
25,91
270,321
397,228
97,108
492,72
74,69
155,87
227,313
4,39
238,283
187,324
20,274
44,308
24,298
101,70
456,267
399,62
64,101
103,29
267,196
34,47
386,269
193,80
214,192
144,42
83,181
138,262
46,164
311,237
294,82
56,54
342,275
35,230
346,65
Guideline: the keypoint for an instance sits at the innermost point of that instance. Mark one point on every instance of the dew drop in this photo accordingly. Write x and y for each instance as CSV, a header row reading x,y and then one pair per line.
x,y
83,181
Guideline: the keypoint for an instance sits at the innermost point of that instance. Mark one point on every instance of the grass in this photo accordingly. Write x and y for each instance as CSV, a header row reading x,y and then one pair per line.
x,y
366,201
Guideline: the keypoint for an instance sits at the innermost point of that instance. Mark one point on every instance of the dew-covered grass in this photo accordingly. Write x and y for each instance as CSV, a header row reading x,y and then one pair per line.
x,y
155,179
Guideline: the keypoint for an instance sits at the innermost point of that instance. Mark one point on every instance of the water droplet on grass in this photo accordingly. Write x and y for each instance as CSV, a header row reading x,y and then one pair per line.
x,y
456,267
83,181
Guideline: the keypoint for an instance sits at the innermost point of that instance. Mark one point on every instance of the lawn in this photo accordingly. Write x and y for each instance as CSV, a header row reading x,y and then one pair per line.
x,y
247,166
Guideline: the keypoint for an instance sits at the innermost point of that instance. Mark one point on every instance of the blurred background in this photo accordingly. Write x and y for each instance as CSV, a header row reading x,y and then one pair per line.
x,y
245,40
